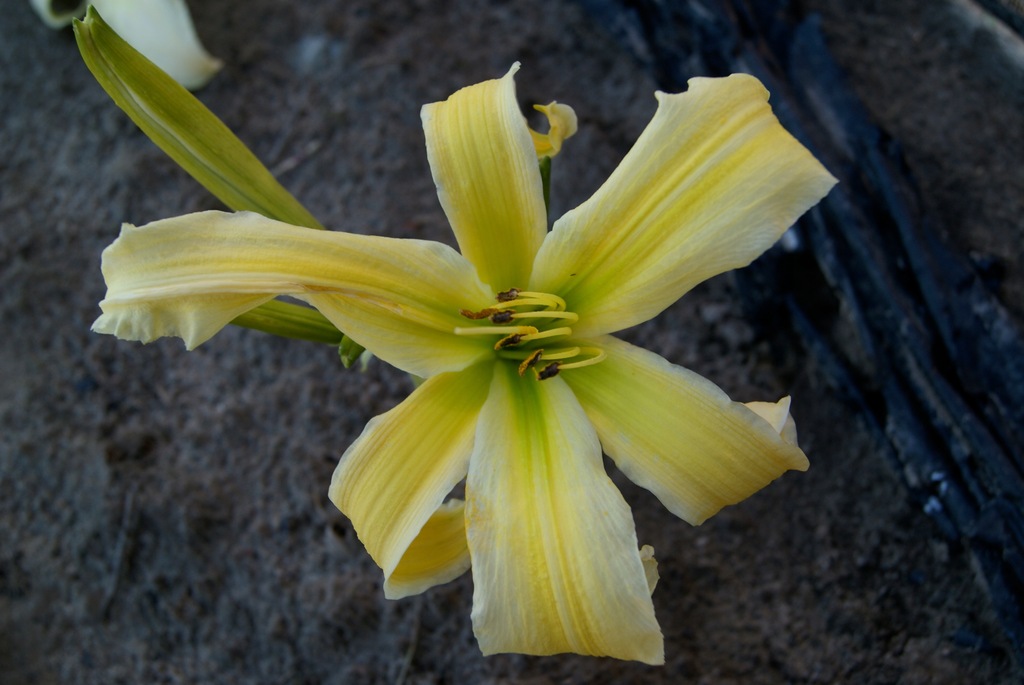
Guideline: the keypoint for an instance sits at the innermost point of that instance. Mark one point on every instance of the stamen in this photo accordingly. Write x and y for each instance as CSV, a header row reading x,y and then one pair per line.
x,y
598,353
567,353
495,330
509,341
502,317
522,318
521,302
570,317
508,295
549,300
562,353
530,361
550,333
549,371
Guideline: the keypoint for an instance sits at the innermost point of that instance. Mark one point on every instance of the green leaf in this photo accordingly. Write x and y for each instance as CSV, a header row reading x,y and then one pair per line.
x,y
203,146
183,127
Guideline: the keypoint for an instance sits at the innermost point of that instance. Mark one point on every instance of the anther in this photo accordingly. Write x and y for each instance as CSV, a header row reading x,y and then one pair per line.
x,y
508,295
530,361
482,314
509,341
549,371
505,316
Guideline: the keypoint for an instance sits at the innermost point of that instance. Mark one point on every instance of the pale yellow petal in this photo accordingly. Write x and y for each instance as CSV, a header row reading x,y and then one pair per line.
x,y
398,472
712,182
438,554
191,275
562,124
485,168
556,566
162,30
650,567
778,416
677,434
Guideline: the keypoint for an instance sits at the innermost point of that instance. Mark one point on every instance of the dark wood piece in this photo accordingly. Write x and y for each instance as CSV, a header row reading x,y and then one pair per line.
x,y
904,328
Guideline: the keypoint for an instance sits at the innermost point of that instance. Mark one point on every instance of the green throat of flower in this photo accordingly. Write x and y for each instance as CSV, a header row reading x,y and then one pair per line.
x,y
533,329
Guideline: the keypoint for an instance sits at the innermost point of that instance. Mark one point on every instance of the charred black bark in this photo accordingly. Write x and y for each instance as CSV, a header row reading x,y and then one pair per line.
x,y
904,327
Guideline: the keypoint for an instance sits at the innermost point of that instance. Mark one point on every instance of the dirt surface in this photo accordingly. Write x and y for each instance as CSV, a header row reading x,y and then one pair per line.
x,y
165,514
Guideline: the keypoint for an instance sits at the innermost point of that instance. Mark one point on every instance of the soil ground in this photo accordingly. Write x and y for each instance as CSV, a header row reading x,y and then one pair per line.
x,y
164,513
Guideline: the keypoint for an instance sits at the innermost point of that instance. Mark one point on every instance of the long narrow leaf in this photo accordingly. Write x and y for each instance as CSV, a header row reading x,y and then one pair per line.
x,y
183,127
202,145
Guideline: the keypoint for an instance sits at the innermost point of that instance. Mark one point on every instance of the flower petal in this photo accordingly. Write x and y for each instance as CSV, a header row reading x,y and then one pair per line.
x,y
556,566
189,276
677,434
711,183
484,165
399,470
776,414
562,124
650,567
162,30
438,554
58,14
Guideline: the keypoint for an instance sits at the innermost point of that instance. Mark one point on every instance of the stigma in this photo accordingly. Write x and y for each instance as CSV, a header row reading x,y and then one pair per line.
x,y
534,329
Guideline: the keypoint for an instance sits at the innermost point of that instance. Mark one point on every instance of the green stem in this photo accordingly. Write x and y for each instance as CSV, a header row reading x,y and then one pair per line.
x,y
291,321
350,351
545,177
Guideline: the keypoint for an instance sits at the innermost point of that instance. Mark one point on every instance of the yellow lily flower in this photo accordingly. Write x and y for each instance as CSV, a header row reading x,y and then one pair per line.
x,y
525,383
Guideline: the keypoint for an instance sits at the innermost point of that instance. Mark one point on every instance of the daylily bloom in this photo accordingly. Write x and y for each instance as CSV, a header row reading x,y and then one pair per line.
x,y
525,383
162,30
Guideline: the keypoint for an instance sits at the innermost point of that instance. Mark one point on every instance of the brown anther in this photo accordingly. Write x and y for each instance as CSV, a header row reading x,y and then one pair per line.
x,y
509,341
549,371
530,361
508,295
504,316
482,314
